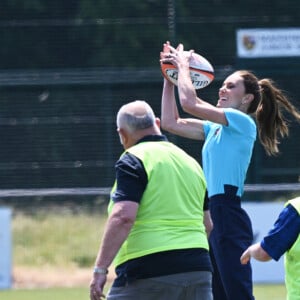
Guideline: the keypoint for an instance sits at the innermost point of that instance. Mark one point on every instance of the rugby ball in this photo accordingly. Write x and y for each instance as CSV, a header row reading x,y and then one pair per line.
x,y
201,71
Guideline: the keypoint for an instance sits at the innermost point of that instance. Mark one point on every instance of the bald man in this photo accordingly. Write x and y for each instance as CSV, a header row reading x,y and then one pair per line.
x,y
154,233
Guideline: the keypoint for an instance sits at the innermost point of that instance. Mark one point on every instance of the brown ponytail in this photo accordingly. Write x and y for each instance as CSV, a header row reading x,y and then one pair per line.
x,y
272,126
267,105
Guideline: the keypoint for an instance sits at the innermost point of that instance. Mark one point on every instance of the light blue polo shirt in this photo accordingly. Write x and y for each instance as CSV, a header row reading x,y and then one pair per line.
x,y
227,151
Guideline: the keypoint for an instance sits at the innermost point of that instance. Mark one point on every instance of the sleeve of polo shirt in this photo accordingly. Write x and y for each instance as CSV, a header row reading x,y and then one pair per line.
x,y
283,234
131,179
237,120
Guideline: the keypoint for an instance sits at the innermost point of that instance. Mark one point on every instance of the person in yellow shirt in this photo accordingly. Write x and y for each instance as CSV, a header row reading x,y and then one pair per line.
x,y
283,238
155,231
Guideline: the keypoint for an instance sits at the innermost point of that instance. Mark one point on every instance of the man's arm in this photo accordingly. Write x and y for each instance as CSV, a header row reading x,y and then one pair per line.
x,y
279,239
116,231
208,223
255,251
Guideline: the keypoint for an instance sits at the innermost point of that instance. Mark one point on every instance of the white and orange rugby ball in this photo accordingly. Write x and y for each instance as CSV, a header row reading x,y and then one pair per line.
x,y
201,71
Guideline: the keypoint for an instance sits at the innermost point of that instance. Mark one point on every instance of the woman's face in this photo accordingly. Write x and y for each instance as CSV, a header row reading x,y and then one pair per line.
x,y
232,92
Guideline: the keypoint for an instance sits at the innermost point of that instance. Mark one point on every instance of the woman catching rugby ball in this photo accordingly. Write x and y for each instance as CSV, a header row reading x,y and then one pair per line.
x,y
229,132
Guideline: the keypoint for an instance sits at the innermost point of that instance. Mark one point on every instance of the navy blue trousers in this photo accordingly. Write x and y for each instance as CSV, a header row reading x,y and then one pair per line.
x,y
230,237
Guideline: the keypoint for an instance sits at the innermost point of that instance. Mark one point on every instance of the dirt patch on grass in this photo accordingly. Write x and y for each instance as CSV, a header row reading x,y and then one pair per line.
x,y
47,277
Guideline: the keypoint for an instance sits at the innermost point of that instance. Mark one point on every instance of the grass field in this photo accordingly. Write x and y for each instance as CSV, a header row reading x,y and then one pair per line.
x,y
56,237
262,292
46,294
67,239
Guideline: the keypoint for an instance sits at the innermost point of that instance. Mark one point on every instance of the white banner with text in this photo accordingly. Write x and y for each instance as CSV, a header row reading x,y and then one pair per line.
x,y
255,43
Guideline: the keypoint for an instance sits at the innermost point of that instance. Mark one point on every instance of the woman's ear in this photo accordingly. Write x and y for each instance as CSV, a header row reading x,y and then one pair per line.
x,y
248,98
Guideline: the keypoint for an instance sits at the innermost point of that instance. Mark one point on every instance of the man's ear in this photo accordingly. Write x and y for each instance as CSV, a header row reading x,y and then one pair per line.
x,y
123,136
157,122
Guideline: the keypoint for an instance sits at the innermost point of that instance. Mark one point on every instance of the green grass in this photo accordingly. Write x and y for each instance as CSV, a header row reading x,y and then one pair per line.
x,y
61,238
46,294
56,238
262,292
270,292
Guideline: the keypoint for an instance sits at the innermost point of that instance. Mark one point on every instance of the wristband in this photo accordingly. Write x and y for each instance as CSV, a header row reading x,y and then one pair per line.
x,y
98,270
